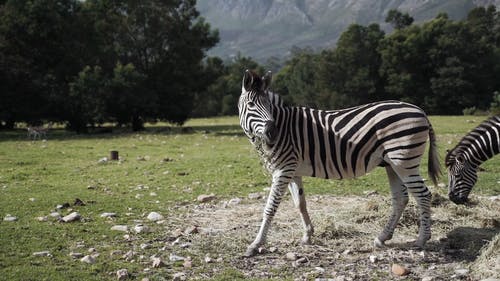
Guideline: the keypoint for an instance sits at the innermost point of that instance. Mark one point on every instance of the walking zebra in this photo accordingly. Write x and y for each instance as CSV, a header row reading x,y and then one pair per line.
x,y
462,162
337,144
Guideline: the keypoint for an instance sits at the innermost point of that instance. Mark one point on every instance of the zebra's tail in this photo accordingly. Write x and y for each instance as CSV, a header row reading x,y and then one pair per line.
x,y
433,166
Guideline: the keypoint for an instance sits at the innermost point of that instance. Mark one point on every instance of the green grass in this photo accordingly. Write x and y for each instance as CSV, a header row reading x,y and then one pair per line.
x,y
214,157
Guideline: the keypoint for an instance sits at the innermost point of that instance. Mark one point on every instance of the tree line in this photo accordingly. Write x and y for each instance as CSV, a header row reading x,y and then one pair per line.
x,y
84,63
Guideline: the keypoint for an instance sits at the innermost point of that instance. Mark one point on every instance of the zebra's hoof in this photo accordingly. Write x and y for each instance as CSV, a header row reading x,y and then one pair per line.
x,y
378,243
251,251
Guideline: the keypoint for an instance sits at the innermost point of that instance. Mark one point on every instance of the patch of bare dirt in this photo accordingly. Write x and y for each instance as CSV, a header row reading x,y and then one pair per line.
x,y
464,246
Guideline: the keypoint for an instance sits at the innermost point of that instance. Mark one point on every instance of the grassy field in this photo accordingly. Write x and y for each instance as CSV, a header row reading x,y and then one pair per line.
x,y
161,169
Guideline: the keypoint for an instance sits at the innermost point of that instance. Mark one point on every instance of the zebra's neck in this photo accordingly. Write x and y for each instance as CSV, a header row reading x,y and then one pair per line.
x,y
482,143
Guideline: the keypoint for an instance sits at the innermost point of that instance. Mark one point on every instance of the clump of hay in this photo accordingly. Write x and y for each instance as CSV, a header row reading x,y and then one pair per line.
x,y
487,265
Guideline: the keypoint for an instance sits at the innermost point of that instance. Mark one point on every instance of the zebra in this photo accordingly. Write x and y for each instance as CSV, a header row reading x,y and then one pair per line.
x,y
462,162
337,144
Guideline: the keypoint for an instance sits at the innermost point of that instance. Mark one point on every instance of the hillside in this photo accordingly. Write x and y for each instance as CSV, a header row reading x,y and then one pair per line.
x,y
265,28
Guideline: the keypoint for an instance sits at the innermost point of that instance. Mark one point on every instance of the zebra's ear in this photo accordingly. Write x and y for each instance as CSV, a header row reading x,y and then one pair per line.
x,y
247,80
267,80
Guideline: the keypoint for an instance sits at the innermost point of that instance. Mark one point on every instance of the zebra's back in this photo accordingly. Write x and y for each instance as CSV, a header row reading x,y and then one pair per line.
x,y
351,142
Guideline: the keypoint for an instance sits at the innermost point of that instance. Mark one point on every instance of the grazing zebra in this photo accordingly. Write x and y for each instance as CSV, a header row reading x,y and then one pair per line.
x,y
462,162
337,144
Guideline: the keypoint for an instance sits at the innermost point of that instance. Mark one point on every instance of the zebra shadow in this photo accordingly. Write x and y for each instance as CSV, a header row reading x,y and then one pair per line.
x,y
465,243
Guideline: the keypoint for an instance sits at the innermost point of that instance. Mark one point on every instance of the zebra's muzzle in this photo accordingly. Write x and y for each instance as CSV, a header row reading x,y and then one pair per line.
x,y
457,199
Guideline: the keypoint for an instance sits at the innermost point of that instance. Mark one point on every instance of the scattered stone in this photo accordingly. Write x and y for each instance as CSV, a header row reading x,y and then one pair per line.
x,y
123,228
206,198
42,254
9,217
74,216
154,216
92,250
122,274
373,259
62,206
273,250
177,233
116,253
255,196
42,219
187,263
262,250
291,256
495,198
145,279
76,255
88,259
320,269
145,246
102,160
234,202
208,259
368,193
157,262
32,199
129,255
55,215
191,230
428,278
302,260
175,258
461,272
179,276
108,215
79,202
399,270
91,187
140,228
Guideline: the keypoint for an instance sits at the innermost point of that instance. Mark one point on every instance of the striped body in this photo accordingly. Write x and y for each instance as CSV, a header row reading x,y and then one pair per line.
x,y
337,144
463,161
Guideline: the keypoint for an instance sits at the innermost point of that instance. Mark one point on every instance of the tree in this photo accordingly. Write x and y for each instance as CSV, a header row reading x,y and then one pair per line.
x,y
398,20
350,72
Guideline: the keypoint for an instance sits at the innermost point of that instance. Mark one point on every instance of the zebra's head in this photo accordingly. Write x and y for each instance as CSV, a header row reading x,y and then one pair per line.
x,y
255,108
461,176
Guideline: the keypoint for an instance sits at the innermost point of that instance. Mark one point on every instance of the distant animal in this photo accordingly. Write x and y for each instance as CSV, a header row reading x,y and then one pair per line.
x,y
38,132
337,144
462,162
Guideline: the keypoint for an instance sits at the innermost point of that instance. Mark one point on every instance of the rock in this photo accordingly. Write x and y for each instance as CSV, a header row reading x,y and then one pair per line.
x,y
122,274
129,255
74,216
206,198
175,258
92,250
62,206
76,255
154,216
55,215
234,202
102,160
191,230
123,228
88,259
399,270
273,250
187,263
108,215
9,218
157,262
461,271
208,259
145,246
428,278
78,202
140,228
254,196
179,276
302,260
42,254
291,256
42,219
373,259
176,233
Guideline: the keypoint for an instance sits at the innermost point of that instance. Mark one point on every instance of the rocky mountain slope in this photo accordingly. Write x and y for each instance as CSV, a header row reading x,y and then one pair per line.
x,y
265,28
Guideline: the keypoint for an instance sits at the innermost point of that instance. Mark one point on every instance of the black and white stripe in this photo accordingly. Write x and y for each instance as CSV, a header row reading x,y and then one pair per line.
x,y
337,144
462,162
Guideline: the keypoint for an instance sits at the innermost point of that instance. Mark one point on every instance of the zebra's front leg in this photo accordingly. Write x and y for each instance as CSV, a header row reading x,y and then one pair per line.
x,y
399,201
297,191
280,181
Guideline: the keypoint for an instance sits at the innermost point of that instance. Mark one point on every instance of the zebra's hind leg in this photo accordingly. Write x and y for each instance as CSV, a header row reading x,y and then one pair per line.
x,y
297,190
280,181
399,201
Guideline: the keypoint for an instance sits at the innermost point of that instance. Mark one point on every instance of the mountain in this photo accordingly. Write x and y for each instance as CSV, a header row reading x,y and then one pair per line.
x,y
265,28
